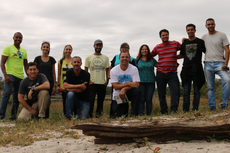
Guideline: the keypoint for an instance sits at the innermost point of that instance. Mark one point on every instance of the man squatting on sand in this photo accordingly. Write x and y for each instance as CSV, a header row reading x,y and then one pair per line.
x,y
126,81
77,87
36,87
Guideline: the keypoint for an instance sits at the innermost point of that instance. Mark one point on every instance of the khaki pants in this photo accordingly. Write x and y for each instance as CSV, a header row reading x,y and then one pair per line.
x,y
40,106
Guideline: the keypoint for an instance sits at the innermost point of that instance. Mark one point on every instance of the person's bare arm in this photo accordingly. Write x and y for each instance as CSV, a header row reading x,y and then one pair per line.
x,y
226,48
60,89
44,86
180,56
118,86
25,63
78,87
86,69
109,71
54,78
107,77
3,68
126,87
24,103
75,90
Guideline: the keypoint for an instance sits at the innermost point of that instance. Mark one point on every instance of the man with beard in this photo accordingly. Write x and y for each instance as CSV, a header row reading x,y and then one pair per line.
x,y
35,86
76,85
13,59
216,62
192,70
126,81
98,64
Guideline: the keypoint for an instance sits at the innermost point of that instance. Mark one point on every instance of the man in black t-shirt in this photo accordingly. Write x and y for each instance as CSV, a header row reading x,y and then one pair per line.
x,y
35,86
76,84
192,70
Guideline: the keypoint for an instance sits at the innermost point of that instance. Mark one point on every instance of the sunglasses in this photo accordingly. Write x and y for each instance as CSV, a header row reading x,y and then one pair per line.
x,y
19,54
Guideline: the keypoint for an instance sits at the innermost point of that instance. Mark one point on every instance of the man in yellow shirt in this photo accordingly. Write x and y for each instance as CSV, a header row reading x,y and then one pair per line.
x,y
98,65
13,59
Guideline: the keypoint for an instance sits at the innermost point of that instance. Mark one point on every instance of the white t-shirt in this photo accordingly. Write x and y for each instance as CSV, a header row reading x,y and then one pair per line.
x,y
118,75
215,46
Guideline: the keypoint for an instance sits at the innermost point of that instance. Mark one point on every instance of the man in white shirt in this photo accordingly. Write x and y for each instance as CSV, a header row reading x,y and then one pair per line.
x,y
125,80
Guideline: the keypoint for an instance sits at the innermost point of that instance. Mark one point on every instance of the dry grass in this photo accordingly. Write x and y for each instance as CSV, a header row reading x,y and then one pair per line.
x,y
26,132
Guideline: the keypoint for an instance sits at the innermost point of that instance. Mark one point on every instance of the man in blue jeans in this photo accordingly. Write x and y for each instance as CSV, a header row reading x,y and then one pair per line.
x,y
126,81
13,59
216,62
192,70
76,85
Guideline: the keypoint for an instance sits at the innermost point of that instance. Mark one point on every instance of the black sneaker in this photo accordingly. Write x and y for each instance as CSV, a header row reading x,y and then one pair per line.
x,y
12,118
1,119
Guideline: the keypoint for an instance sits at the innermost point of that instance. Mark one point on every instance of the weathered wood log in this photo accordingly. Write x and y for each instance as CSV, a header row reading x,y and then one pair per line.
x,y
155,131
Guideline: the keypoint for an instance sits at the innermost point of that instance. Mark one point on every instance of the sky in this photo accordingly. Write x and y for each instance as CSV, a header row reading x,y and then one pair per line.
x,y
80,23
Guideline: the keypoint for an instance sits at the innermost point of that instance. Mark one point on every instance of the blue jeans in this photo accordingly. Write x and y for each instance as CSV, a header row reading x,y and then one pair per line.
x,y
82,106
210,69
14,84
172,80
187,90
147,90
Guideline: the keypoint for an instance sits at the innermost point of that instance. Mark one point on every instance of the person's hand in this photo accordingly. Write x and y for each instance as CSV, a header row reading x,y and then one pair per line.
x,y
60,90
91,82
30,94
134,84
84,86
8,79
33,112
54,90
122,94
183,39
224,68
106,83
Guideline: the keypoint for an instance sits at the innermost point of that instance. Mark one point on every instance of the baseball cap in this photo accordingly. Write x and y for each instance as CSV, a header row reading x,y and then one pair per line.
x,y
98,41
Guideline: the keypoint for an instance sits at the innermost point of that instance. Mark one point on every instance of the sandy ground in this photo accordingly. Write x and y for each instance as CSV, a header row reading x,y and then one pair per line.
x,y
85,145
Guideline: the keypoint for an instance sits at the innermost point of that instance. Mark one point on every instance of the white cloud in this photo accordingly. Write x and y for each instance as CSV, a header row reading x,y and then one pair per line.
x,y
79,23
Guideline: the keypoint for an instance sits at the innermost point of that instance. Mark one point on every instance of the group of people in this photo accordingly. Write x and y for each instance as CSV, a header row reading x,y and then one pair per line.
x,y
132,79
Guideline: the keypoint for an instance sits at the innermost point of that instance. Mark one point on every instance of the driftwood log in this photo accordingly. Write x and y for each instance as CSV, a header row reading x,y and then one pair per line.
x,y
158,131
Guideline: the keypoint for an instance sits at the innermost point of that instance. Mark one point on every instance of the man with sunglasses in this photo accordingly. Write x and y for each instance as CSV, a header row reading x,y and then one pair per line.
x,y
13,59
216,62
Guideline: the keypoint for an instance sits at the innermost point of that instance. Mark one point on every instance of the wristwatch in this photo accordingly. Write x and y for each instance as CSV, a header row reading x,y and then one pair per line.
x,y
32,88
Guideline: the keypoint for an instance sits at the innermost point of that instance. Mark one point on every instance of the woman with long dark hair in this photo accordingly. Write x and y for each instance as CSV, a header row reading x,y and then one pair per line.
x,y
46,65
145,63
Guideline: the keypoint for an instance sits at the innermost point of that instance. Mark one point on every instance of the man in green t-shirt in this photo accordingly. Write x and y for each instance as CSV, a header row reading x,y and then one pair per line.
x,y
98,64
13,59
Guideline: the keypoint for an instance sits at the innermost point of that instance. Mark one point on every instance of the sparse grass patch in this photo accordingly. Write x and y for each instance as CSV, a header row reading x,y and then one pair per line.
x,y
26,132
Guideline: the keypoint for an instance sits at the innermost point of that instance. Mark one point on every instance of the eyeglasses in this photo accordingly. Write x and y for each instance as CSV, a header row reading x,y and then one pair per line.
x,y
19,54
67,66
